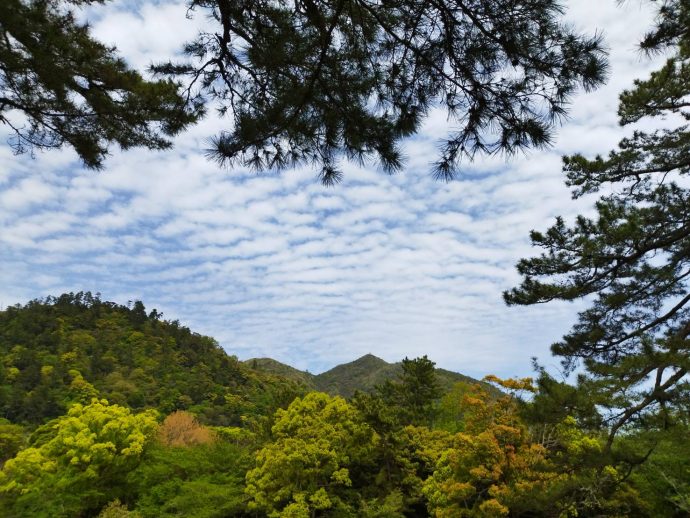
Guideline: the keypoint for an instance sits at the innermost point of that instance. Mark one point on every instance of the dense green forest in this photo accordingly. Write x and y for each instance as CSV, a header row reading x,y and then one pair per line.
x,y
112,411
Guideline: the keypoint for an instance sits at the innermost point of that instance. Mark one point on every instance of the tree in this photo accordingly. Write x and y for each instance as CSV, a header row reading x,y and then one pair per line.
x,y
496,465
488,462
309,81
11,439
115,509
200,480
59,86
633,258
412,397
320,445
79,463
182,429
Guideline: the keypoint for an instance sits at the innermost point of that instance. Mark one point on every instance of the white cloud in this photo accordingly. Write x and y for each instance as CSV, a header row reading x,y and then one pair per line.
x,y
277,265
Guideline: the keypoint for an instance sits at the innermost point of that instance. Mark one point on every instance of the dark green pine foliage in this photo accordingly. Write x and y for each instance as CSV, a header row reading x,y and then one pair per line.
x,y
59,86
416,391
311,81
410,399
633,259
396,410
58,351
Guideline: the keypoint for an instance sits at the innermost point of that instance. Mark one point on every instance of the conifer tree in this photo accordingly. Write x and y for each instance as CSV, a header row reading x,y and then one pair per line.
x,y
633,258
60,86
310,81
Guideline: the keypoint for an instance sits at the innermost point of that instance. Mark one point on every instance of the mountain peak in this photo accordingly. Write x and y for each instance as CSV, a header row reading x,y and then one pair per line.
x,y
370,358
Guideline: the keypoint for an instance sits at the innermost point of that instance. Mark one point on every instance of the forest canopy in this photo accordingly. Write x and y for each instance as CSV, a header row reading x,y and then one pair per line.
x,y
209,436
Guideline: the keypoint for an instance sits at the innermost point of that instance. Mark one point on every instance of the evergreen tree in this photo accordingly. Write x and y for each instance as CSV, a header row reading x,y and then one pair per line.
x,y
633,258
313,80
59,86
418,390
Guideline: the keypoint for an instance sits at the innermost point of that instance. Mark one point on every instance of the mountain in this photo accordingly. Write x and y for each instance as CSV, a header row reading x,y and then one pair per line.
x,y
362,374
61,350
269,365
66,349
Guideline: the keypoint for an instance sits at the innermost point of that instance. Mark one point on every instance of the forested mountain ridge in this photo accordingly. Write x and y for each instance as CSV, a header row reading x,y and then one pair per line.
x,y
363,374
65,349
110,411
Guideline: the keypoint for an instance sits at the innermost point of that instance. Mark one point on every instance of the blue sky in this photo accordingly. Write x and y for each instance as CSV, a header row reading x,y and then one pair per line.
x,y
280,266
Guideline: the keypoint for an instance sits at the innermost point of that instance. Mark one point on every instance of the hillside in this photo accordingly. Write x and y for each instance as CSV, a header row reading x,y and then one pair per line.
x,y
60,350
269,365
74,347
361,374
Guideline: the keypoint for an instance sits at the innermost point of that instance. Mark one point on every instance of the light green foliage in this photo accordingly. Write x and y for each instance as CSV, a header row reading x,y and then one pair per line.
x,y
82,465
320,445
11,440
116,509
413,456
450,414
80,390
235,435
203,481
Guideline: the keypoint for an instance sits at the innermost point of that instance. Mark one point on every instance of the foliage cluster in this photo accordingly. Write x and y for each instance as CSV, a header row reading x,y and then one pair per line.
x,y
59,85
407,448
503,70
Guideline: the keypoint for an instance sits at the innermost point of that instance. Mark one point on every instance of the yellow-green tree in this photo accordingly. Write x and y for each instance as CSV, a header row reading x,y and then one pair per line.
x,y
11,439
490,460
321,444
79,465
498,467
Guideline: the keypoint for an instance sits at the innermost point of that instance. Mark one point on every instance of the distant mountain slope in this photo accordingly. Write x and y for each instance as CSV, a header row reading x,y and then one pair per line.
x,y
272,366
362,374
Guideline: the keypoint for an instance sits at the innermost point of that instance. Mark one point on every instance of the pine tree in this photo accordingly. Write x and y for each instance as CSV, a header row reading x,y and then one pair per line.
x,y
633,259
59,86
311,81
